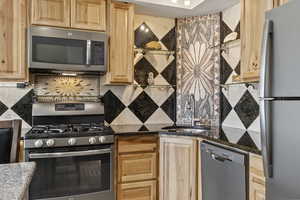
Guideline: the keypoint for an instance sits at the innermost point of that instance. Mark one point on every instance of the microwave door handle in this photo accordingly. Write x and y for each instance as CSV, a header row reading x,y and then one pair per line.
x,y
69,154
88,52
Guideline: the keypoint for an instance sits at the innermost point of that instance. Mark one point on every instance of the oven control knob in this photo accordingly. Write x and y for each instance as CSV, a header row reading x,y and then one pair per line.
x,y
72,141
39,143
50,143
102,139
92,140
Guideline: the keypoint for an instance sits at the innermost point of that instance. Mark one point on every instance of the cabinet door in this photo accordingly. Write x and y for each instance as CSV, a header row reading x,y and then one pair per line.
x,y
51,12
137,191
256,178
137,167
88,14
278,3
121,43
13,21
178,168
252,22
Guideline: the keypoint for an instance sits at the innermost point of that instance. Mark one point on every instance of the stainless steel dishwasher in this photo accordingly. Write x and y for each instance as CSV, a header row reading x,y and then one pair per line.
x,y
223,173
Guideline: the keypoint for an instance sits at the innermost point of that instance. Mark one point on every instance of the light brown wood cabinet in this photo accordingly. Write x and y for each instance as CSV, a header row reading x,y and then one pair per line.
x,y
278,3
252,23
51,12
178,168
137,167
81,14
257,186
137,191
121,43
88,14
13,22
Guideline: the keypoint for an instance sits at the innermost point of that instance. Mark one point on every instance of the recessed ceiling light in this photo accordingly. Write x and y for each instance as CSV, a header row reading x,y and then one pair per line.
x,y
187,2
142,27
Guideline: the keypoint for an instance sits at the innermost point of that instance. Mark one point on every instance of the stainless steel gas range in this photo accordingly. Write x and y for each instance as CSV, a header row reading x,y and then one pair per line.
x,y
73,151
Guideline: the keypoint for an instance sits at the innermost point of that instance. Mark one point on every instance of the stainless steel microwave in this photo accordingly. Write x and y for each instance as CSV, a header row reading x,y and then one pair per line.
x,y
58,50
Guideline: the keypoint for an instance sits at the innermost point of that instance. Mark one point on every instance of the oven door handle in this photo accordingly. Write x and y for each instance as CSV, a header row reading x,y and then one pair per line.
x,y
69,154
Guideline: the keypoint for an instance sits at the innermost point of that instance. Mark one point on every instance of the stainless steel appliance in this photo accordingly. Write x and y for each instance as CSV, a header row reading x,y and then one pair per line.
x,y
223,173
73,151
59,50
280,102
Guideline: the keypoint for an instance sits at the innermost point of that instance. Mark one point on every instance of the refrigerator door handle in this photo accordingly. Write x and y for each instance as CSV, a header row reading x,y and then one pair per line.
x,y
266,56
266,144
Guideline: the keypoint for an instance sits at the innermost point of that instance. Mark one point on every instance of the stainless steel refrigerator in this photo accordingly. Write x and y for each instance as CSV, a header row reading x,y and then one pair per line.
x,y
280,102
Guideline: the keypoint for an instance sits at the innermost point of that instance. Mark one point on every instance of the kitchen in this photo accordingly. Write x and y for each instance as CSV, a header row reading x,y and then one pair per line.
x,y
147,100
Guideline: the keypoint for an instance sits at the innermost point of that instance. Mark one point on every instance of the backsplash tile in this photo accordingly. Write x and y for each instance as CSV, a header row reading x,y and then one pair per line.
x,y
145,104
198,66
239,103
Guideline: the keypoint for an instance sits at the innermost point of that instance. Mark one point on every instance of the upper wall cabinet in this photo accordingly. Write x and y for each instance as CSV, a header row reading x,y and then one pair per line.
x,y
13,21
51,12
121,43
81,14
88,14
278,3
252,22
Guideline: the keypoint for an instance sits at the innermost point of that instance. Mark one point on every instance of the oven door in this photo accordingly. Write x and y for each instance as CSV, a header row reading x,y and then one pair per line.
x,y
83,173
54,49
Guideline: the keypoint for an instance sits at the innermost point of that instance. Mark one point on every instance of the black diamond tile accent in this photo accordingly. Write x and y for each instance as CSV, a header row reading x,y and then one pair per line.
x,y
169,106
223,136
143,128
169,73
3,108
225,30
142,37
238,68
23,107
237,29
141,71
247,109
112,106
246,140
169,40
226,70
143,106
225,107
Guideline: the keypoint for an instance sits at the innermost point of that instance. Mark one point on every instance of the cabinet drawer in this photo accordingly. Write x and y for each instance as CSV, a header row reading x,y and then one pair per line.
x,y
137,167
133,144
137,191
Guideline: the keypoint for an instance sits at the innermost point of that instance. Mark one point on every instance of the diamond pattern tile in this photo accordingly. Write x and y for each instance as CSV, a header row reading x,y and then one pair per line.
x,y
112,106
246,140
237,69
168,40
143,107
247,109
223,136
24,107
226,70
169,73
143,128
143,34
3,108
169,106
237,29
141,71
226,107
225,30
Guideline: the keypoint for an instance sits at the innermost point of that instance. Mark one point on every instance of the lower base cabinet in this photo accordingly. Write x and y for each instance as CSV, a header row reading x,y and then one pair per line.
x,y
137,191
257,186
178,168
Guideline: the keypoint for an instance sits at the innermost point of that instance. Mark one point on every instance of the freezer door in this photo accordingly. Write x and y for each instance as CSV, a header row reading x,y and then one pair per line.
x,y
285,54
284,131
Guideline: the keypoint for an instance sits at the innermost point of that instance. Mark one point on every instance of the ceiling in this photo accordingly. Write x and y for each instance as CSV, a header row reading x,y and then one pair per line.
x,y
179,8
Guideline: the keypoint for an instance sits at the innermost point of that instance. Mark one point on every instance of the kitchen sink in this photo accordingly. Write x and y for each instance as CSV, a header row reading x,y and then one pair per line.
x,y
192,129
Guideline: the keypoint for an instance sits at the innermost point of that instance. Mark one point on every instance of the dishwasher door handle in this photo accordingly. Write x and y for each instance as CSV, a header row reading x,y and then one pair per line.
x,y
219,158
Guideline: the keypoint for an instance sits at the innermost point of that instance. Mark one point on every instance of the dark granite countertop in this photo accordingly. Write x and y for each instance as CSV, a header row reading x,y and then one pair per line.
x,y
15,179
215,134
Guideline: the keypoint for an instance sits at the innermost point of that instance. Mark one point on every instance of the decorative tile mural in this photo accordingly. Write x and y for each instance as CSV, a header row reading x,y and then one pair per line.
x,y
239,103
198,67
141,104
